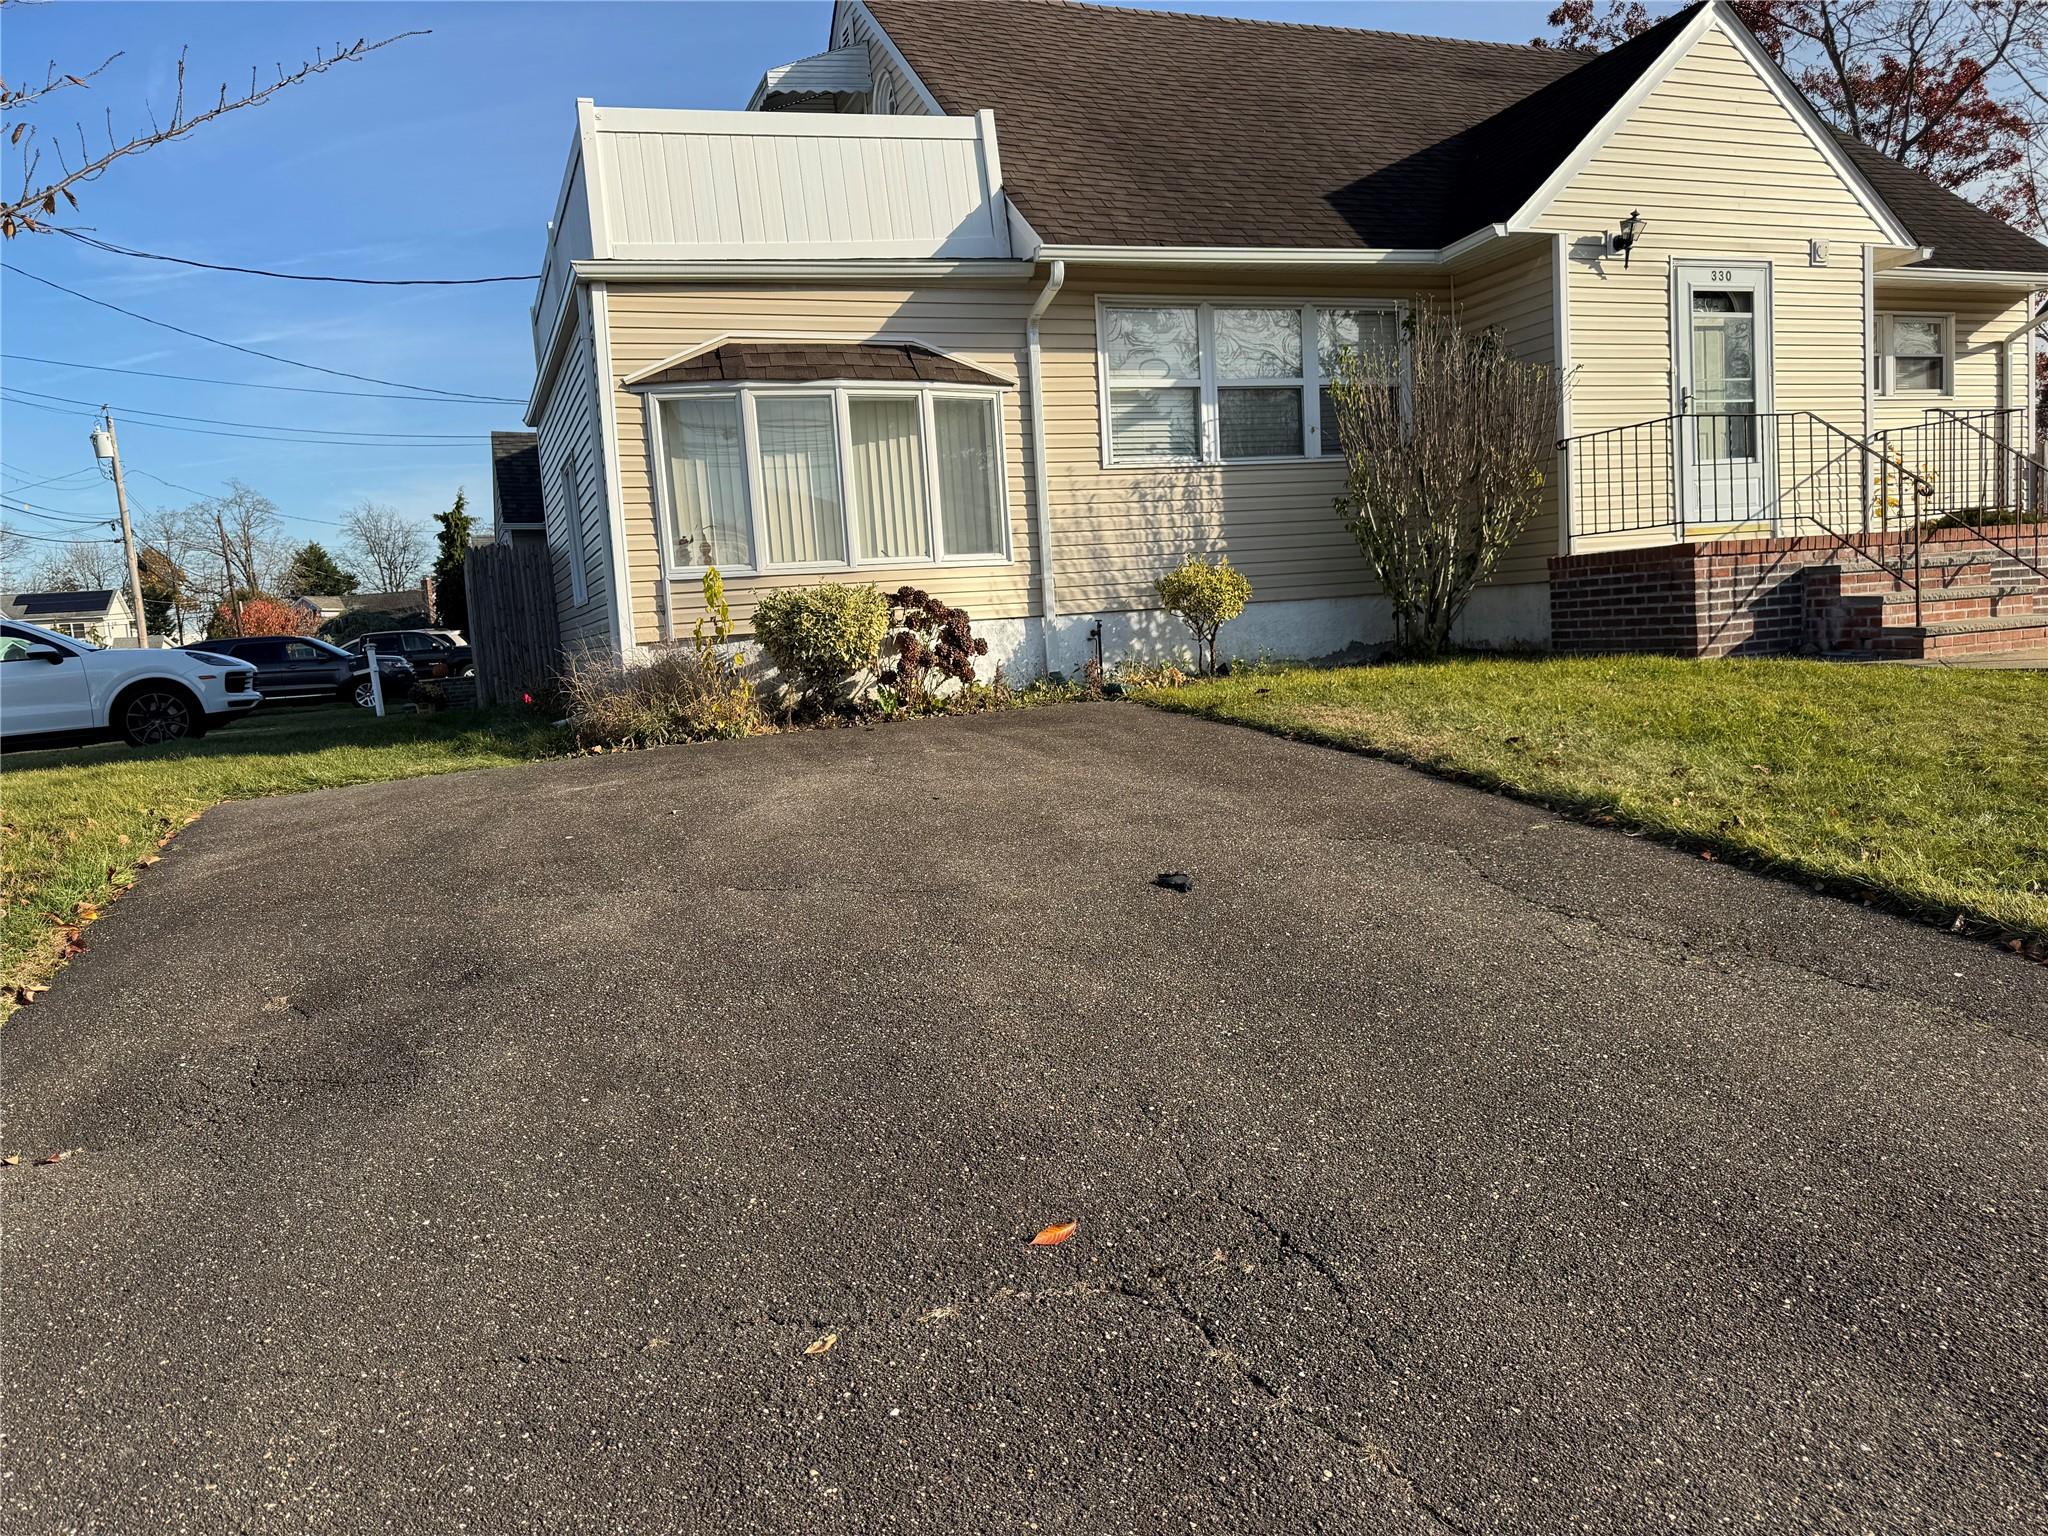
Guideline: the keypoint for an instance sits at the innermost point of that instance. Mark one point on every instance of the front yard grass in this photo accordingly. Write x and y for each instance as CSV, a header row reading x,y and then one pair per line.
x,y
75,824
1922,788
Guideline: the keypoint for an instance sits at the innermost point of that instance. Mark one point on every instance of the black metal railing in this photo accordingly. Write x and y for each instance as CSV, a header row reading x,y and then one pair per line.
x,y
1985,481
1716,471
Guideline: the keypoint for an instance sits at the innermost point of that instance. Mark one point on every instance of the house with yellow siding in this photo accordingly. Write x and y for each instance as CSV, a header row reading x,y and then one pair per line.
x,y
1024,304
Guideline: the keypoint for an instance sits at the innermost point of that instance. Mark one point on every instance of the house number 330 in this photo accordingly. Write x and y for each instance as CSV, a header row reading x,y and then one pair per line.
x,y
1720,275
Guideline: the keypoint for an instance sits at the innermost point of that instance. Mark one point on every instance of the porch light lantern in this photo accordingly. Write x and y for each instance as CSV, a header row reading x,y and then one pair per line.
x,y
1632,229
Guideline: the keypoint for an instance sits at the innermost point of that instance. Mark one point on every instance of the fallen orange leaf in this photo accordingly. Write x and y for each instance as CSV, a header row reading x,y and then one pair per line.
x,y
820,1346
1055,1234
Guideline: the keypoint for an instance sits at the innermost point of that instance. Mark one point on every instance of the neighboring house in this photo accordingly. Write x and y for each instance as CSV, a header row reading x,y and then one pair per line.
x,y
104,618
327,607
516,514
844,336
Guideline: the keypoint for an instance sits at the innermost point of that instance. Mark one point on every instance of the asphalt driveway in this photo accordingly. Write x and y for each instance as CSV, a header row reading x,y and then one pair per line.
x,y
487,1153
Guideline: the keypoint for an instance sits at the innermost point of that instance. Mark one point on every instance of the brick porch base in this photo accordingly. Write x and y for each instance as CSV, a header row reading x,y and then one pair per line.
x,y
1753,597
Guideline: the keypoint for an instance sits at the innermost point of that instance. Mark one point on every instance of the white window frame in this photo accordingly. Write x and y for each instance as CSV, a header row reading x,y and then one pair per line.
x,y
570,478
1887,360
1209,425
841,391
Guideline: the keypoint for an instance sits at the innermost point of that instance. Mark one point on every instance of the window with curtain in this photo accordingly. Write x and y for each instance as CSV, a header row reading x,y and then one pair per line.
x,y
707,481
1258,382
969,438
798,447
890,513
1153,357
1374,334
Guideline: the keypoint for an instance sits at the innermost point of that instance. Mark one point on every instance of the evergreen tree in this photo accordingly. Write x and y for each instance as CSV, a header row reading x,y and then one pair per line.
x,y
314,571
451,598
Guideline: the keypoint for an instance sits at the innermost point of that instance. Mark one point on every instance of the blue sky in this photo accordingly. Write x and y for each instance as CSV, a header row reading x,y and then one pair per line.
x,y
439,156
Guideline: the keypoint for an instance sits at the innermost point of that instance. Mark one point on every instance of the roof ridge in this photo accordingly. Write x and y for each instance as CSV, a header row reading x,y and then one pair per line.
x,y
1135,8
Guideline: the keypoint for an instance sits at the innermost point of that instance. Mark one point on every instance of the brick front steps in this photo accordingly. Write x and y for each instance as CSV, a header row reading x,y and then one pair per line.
x,y
1804,596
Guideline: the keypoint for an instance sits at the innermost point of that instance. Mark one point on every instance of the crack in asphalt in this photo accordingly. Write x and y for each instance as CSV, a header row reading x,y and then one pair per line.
x,y
1700,953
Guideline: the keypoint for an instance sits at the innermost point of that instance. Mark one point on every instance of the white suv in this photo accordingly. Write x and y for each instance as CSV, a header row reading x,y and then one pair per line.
x,y
53,685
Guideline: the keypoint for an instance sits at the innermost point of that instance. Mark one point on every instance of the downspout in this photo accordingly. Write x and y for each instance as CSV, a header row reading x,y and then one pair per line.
x,y
1041,494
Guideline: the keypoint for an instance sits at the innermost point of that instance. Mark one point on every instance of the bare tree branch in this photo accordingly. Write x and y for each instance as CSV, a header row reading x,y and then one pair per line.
x,y
37,203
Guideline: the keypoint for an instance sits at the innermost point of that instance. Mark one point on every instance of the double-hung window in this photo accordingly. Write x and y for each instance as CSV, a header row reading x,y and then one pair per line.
x,y
1916,354
831,476
1227,382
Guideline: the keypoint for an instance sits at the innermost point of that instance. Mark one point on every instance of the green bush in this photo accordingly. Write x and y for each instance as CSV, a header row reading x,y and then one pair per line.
x,y
1207,597
820,637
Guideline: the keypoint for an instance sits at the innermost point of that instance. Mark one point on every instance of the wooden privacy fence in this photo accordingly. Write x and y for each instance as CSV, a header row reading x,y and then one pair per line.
x,y
512,627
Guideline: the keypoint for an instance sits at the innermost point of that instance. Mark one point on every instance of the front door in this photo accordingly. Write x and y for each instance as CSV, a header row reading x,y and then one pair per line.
x,y
1722,347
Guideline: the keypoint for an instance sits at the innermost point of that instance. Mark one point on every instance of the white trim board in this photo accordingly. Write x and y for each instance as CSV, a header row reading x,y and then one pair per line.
x,y
1715,15
621,605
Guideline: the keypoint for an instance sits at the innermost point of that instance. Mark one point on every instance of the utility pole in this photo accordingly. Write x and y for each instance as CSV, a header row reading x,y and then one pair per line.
x,y
227,567
110,449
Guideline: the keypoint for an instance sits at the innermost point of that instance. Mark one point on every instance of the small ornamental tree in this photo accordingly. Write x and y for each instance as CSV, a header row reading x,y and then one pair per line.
x,y
1207,597
1445,474
451,548
932,643
262,616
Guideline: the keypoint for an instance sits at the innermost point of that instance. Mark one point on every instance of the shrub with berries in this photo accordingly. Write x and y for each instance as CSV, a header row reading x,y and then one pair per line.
x,y
930,644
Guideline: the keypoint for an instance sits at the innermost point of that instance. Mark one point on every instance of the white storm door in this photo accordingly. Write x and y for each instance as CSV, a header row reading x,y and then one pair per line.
x,y
1721,345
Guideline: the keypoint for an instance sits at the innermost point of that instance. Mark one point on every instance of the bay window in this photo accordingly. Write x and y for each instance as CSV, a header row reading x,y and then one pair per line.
x,y
1222,382
829,476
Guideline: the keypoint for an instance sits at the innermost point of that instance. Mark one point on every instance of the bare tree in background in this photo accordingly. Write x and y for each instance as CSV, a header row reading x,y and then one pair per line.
x,y
1446,466
31,210
391,548
255,548
92,565
186,546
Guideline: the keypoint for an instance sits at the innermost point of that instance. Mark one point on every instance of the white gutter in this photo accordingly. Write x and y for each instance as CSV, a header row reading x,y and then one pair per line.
x,y
1235,256
1964,275
1041,494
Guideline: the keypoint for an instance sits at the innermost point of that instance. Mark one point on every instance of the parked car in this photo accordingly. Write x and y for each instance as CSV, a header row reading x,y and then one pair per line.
x,y
54,686
432,652
300,667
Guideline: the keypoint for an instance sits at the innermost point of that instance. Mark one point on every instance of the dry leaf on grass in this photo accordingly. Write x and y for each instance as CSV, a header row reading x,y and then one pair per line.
x,y
820,1346
1056,1234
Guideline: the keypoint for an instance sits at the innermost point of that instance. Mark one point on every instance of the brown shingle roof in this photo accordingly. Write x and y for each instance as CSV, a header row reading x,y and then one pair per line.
x,y
768,362
1134,127
1961,234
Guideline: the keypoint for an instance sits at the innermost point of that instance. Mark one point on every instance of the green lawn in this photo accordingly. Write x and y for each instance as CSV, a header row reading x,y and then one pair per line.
x,y
75,824
1925,788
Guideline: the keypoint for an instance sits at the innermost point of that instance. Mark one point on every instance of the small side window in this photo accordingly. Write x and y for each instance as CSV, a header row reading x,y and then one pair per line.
x,y
571,490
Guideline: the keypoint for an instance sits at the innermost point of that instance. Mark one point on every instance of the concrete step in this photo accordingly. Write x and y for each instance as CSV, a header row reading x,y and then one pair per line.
x,y
1963,637
1941,604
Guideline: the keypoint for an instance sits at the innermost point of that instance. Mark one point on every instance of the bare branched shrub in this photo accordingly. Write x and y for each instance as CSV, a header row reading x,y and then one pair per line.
x,y
695,691
1446,465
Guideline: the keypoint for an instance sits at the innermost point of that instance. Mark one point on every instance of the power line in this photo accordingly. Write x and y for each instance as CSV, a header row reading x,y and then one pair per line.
x,y
160,480
37,538
70,475
187,378
23,509
303,277
272,357
369,441
260,426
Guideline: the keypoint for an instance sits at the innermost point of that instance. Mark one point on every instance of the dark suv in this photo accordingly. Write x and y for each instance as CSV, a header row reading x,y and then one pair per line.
x,y
432,652
300,667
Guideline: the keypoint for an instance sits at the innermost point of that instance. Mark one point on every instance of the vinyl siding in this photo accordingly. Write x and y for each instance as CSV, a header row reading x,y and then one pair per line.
x,y
1720,170
983,326
1116,530
1512,294
1984,319
569,432
890,85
